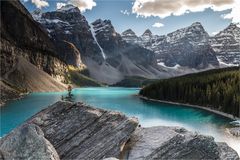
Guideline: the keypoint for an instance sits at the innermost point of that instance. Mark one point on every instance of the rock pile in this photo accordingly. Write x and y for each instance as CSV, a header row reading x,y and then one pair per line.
x,y
76,131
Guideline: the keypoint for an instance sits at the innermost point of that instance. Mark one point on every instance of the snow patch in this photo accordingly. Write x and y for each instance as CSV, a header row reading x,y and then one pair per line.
x,y
225,64
68,8
163,65
49,30
94,37
67,32
56,21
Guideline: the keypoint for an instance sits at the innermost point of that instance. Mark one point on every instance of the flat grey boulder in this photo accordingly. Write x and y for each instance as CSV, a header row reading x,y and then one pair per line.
x,y
175,143
27,142
78,131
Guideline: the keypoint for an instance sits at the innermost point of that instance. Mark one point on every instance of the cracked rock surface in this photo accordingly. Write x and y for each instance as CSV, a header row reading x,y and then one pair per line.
x,y
175,143
75,130
68,130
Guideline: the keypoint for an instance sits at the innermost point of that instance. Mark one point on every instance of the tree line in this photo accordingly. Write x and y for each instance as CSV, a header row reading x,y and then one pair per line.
x,y
218,89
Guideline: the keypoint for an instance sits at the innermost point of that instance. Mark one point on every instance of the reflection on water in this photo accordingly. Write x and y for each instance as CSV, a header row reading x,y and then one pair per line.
x,y
124,100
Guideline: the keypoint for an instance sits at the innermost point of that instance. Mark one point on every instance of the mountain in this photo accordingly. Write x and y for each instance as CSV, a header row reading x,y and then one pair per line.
x,y
22,36
147,36
111,57
104,52
227,45
70,26
216,89
67,25
186,47
28,58
129,59
130,37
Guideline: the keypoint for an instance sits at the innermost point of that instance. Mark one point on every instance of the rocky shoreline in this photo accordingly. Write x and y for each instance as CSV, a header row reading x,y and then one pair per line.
x,y
193,106
235,131
67,130
7,93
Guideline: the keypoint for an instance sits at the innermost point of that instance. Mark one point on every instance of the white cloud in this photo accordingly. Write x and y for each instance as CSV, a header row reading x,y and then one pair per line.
x,y
234,15
40,3
83,5
125,12
158,25
60,5
165,8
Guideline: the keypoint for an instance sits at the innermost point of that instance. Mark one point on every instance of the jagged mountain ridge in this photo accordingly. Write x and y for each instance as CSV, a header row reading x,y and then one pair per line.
x,y
110,56
225,44
116,49
22,33
102,49
186,47
29,61
69,25
23,37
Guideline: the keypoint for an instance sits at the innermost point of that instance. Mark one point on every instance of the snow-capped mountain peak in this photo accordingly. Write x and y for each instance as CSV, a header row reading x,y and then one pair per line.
x,y
103,26
68,8
188,47
227,45
231,30
130,36
196,24
194,33
129,32
37,14
147,33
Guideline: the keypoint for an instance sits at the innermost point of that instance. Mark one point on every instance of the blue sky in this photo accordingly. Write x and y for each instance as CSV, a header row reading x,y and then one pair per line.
x,y
169,19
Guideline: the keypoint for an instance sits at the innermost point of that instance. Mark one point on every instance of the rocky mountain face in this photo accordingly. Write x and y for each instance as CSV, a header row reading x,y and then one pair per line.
x,y
130,37
227,45
107,56
29,61
68,25
120,54
22,36
187,47
65,37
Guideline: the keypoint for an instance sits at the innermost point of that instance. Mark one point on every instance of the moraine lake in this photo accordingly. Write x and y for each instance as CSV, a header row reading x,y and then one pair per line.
x,y
126,101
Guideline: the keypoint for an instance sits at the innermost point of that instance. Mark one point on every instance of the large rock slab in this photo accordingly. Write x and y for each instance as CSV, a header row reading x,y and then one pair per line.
x,y
175,143
78,131
27,142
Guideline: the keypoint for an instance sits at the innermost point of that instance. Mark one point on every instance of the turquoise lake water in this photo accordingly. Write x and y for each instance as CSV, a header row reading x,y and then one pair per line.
x,y
126,101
